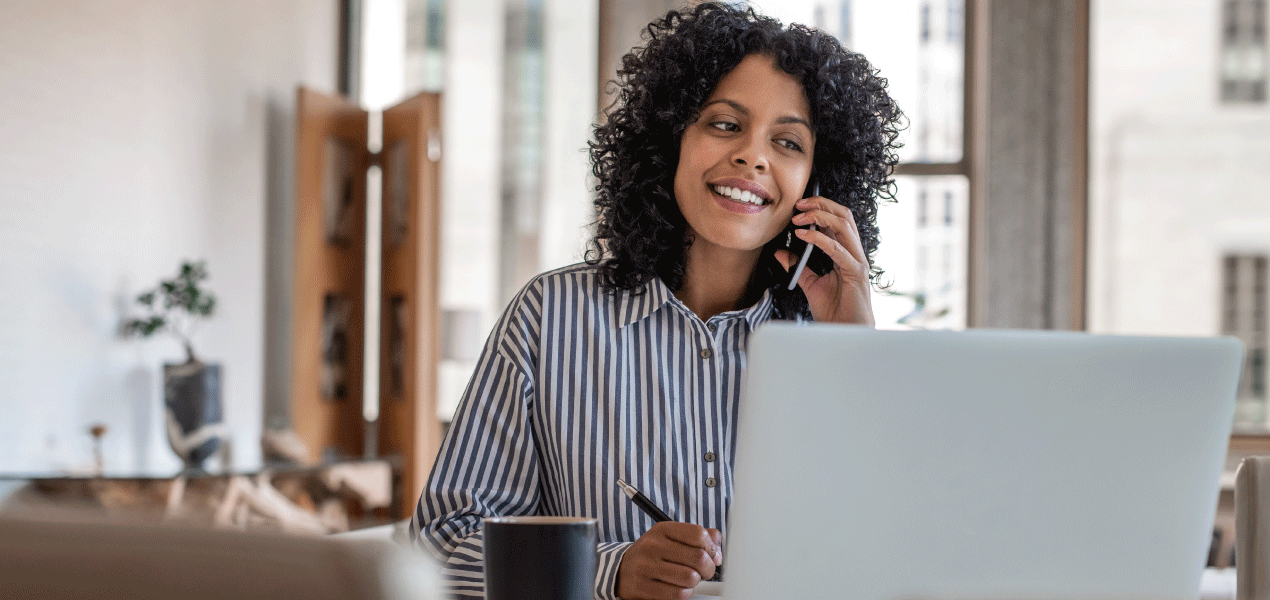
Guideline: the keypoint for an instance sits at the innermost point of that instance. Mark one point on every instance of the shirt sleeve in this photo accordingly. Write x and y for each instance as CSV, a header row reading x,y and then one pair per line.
x,y
487,467
610,555
488,463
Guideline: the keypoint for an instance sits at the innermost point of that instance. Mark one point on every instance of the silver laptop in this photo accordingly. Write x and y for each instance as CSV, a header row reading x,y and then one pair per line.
x,y
886,465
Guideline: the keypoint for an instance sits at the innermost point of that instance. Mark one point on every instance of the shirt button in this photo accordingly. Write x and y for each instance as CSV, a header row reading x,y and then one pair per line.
x,y
712,327
709,457
710,482
705,353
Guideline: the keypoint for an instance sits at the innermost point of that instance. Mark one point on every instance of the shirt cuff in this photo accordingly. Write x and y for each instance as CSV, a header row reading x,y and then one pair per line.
x,y
610,558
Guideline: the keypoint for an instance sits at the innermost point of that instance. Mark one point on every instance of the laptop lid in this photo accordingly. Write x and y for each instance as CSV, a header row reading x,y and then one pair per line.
x,y
879,465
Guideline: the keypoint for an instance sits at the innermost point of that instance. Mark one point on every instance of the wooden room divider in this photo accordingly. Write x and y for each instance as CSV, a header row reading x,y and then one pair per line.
x,y
327,329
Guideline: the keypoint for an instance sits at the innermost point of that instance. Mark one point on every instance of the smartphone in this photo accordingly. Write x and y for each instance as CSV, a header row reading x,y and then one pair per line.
x,y
813,189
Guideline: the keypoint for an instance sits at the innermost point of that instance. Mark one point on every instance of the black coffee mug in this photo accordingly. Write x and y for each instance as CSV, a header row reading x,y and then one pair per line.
x,y
540,558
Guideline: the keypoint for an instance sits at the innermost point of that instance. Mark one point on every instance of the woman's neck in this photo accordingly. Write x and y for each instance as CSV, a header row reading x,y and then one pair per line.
x,y
716,279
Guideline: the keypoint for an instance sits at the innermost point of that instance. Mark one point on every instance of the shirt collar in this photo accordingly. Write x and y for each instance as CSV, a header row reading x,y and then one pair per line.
x,y
632,306
761,311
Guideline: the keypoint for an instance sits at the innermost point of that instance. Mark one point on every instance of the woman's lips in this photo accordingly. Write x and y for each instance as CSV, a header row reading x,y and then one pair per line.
x,y
736,206
753,187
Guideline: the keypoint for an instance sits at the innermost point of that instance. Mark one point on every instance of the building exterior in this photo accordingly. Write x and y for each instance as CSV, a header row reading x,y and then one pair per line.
x,y
940,221
1179,215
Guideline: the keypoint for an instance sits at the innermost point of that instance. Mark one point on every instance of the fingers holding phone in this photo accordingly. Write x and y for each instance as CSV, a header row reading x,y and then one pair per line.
x,y
813,190
840,234
844,293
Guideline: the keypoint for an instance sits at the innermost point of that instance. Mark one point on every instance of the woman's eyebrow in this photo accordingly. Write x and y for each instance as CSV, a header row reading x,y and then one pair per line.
x,y
800,121
735,105
745,111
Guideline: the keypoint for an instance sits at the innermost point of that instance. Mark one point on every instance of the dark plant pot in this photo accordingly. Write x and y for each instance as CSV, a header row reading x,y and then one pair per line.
x,y
191,395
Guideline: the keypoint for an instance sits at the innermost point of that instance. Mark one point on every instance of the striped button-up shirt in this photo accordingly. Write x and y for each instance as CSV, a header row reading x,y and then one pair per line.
x,y
575,389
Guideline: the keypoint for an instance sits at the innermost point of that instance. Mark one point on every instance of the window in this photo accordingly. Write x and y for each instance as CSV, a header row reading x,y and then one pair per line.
x,y
925,23
844,22
1243,51
1244,306
921,207
524,113
425,45
924,253
925,245
955,22
933,172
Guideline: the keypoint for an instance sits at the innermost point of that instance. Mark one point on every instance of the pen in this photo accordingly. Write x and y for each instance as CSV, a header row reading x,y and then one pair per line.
x,y
643,502
657,514
802,262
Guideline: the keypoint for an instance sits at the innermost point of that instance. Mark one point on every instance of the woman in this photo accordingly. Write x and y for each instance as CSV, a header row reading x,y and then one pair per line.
x,y
629,366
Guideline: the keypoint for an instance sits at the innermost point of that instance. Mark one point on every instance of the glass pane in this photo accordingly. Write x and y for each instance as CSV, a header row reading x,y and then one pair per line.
x,y
524,110
923,253
425,45
917,45
1168,255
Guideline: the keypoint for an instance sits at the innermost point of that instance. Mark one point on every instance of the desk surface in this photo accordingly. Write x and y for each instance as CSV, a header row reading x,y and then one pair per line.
x,y
709,590
1216,584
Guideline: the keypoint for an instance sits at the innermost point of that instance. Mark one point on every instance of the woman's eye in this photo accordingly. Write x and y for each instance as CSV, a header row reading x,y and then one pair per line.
x,y
725,126
791,144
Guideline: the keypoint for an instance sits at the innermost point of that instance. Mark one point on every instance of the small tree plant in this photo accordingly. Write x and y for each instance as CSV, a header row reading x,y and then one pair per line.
x,y
178,305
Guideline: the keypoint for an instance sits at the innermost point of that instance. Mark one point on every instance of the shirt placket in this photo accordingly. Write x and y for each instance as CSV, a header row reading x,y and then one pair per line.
x,y
708,454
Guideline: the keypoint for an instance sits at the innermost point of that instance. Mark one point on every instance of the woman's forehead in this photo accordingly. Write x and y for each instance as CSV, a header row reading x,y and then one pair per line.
x,y
758,82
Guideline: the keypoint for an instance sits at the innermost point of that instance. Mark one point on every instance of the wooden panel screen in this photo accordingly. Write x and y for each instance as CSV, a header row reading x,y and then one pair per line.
x,y
411,315
330,272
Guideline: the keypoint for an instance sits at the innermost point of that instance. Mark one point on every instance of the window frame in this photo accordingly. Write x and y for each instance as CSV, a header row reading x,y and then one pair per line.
x,y
973,108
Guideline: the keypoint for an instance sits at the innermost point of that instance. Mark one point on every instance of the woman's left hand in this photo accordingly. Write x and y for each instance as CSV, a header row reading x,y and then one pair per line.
x,y
843,295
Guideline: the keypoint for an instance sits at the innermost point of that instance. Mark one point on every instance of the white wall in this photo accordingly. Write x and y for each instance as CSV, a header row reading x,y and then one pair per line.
x,y
1176,177
134,134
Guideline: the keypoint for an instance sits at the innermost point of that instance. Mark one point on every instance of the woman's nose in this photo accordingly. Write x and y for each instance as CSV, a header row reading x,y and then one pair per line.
x,y
751,154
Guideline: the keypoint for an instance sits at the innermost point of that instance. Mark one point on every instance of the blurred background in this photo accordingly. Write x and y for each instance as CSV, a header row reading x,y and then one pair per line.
x,y
1096,166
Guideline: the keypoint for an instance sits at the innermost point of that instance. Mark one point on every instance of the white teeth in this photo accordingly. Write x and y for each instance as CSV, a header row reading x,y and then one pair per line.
x,y
738,194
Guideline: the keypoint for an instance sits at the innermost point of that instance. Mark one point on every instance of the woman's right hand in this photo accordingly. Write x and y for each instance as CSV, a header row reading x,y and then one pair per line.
x,y
668,561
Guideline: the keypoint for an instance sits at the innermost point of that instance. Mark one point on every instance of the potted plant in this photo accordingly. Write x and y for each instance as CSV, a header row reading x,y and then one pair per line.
x,y
192,389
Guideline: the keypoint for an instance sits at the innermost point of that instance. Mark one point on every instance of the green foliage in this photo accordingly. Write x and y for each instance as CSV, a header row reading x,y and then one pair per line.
x,y
176,305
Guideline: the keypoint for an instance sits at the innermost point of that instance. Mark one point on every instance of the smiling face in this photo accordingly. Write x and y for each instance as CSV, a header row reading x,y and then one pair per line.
x,y
745,161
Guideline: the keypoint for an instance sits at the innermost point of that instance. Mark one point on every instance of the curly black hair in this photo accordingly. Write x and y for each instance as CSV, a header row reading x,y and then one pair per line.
x,y
640,232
